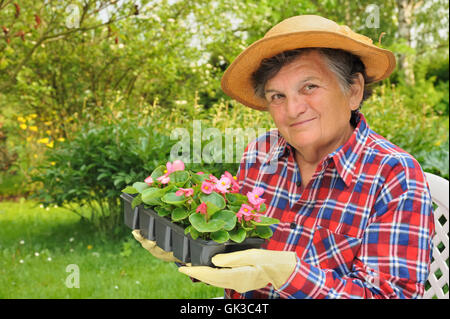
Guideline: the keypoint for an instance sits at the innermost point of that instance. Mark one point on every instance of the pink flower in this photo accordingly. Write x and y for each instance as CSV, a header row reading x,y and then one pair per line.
x,y
234,183
254,197
207,187
245,211
149,180
202,208
199,173
163,179
223,185
213,179
185,191
177,165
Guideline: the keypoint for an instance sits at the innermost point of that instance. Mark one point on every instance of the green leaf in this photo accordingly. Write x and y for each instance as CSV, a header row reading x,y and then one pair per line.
x,y
211,208
194,233
179,178
236,199
140,186
179,213
199,223
214,198
136,201
266,221
158,172
171,198
264,231
228,217
220,236
130,190
163,210
198,179
262,209
152,196
238,235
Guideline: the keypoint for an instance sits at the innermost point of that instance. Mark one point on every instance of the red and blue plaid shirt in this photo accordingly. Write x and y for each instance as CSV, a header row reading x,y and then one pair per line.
x,y
363,226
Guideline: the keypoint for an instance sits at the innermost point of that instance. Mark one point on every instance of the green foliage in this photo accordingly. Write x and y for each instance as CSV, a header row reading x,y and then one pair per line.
x,y
407,117
215,213
96,164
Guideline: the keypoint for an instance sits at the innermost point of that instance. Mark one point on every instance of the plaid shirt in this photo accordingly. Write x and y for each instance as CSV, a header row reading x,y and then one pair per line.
x,y
362,228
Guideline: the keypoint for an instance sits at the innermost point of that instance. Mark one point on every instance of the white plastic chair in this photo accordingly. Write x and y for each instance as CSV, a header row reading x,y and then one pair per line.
x,y
438,278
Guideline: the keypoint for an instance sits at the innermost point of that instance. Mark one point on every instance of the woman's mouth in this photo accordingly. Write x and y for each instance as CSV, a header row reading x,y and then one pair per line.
x,y
300,123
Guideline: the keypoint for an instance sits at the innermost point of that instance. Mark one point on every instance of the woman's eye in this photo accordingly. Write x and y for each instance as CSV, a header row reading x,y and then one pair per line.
x,y
309,88
276,97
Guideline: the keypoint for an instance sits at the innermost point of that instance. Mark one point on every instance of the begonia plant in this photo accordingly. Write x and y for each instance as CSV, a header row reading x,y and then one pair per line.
x,y
208,207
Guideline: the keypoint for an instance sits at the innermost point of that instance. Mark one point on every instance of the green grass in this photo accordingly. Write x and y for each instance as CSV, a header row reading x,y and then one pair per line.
x,y
36,246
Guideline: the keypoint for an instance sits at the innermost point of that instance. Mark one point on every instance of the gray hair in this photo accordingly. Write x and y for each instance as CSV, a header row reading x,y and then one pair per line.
x,y
343,64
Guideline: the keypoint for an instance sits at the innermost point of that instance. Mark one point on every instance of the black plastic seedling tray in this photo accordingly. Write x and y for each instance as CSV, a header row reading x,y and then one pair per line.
x,y
130,215
171,237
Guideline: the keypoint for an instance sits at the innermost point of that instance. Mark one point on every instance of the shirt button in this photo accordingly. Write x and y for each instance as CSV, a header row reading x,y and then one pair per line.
x,y
293,225
298,184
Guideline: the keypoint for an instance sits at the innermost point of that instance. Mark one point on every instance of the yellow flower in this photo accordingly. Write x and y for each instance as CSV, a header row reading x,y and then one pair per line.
x,y
33,116
48,123
438,143
61,139
48,132
53,163
44,140
33,128
21,119
89,247
23,126
50,144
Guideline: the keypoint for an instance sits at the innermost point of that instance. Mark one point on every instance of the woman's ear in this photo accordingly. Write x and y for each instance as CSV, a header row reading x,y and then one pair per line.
x,y
356,91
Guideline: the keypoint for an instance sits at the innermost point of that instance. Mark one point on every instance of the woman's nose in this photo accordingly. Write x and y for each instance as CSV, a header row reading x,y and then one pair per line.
x,y
295,106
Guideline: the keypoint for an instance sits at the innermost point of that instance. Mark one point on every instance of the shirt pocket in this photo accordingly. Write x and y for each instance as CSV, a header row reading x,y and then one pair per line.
x,y
329,250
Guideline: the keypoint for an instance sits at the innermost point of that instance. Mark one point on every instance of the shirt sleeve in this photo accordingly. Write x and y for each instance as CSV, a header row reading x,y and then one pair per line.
x,y
395,252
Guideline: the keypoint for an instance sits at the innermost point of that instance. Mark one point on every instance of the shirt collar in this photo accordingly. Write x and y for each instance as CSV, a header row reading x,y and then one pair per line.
x,y
347,155
344,158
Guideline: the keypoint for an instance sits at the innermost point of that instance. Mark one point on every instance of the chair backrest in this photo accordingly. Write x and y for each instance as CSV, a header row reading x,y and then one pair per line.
x,y
437,284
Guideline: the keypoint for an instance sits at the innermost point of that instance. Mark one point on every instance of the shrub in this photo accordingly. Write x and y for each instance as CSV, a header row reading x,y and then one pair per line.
x,y
89,171
406,117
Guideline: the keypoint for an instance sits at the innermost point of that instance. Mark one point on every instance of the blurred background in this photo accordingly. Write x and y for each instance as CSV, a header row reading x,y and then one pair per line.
x,y
90,92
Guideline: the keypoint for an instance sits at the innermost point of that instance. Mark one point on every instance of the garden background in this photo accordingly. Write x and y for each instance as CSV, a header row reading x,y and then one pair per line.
x,y
90,92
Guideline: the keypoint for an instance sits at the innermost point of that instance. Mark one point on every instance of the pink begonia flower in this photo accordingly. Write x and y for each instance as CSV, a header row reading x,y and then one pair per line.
x,y
177,165
202,208
254,197
199,173
234,183
212,179
223,185
245,211
207,187
185,191
163,179
149,180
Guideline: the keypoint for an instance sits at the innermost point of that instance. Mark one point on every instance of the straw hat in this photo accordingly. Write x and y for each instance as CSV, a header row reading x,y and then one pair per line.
x,y
302,32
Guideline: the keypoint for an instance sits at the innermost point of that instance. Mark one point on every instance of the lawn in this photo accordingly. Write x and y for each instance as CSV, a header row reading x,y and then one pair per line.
x,y
37,245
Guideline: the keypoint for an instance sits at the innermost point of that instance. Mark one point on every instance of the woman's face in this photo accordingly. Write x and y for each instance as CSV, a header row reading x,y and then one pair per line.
x,y
309,107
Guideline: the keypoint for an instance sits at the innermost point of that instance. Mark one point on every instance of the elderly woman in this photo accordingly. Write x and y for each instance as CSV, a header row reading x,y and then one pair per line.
x,y
355,210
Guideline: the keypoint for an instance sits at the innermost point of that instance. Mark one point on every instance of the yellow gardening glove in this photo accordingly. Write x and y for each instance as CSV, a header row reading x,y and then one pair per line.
x,y
153,249
246,270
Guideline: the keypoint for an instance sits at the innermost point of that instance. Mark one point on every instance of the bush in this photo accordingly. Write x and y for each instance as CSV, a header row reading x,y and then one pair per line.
x,y
407,117
90,170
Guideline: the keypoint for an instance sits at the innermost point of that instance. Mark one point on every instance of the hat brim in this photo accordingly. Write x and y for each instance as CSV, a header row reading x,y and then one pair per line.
x,y
236,81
